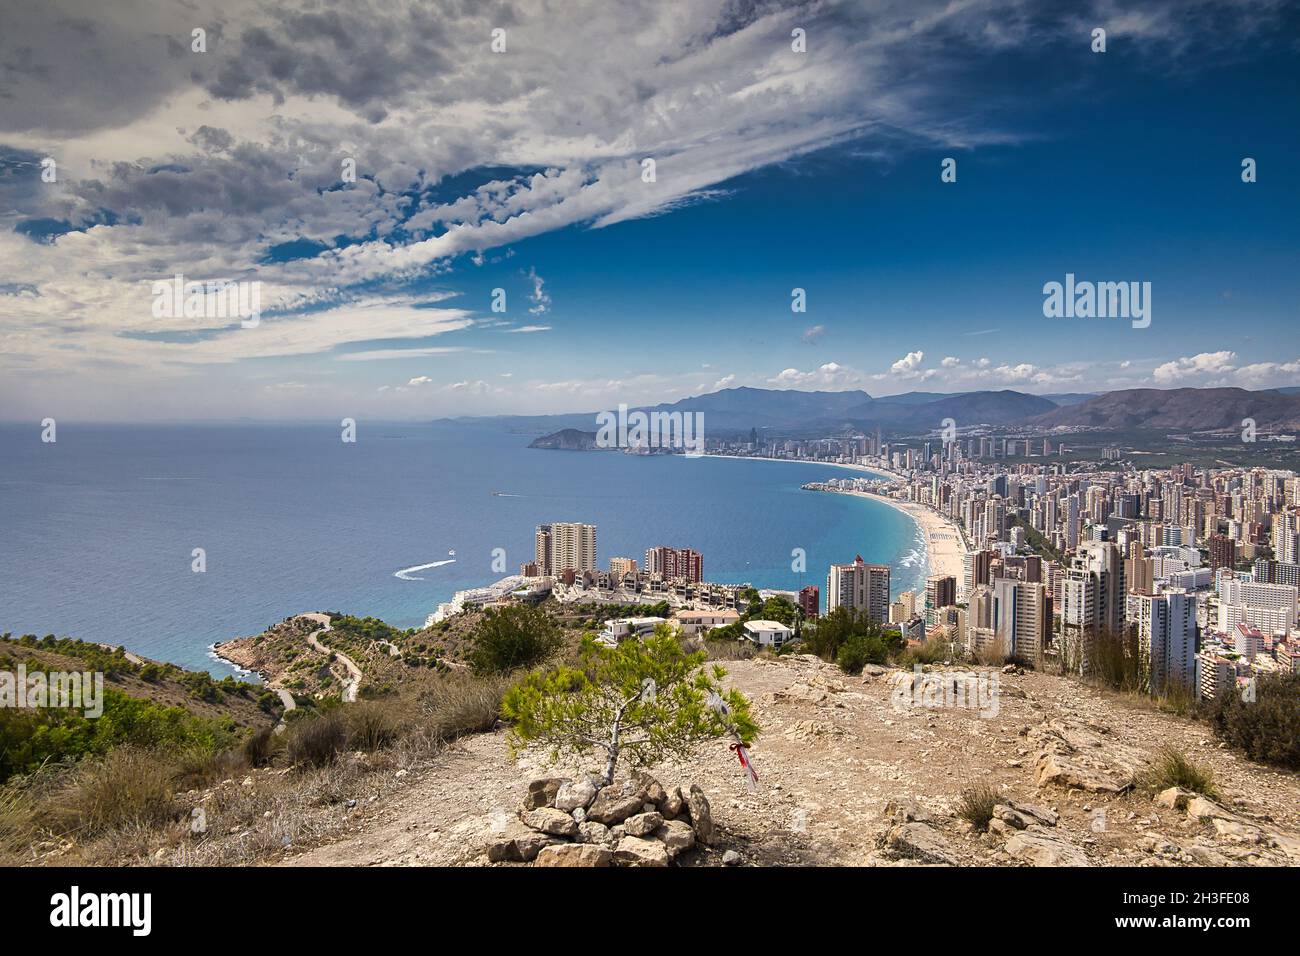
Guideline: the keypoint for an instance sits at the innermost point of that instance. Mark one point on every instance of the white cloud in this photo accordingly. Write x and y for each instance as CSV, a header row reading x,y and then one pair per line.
x,y
380,355
909,364
541,302
211,163
1196,366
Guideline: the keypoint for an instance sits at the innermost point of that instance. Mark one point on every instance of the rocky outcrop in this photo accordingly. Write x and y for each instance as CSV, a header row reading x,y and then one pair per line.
x,y
1040,849
920,841
908,836
1078,757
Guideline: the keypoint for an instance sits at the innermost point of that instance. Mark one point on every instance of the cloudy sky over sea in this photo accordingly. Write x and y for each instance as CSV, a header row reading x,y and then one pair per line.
x,y
523,170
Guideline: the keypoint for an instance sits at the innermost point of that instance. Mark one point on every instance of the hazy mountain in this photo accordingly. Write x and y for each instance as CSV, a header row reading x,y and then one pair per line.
x,y
969,408
1069,398
1189,408
798,413
745,408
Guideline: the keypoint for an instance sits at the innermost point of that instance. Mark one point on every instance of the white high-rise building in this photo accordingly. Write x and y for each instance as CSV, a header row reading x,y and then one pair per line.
x,y
1269,607
1286,537
1167,638
1020,618
859,587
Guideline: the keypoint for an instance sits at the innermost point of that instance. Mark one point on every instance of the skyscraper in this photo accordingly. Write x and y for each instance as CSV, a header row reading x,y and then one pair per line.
x,y
683,563
810,601
1167,638
1223,552
1021,617
1286,537
860,587
565,546
940,591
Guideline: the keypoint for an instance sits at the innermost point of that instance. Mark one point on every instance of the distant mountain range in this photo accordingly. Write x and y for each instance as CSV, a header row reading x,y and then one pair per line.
x,y
1197,409
798,413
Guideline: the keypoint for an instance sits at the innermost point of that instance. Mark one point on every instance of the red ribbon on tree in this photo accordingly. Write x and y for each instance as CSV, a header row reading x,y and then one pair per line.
x,y
751,775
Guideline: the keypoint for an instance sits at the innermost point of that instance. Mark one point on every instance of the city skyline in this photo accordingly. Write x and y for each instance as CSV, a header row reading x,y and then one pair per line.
x,y
775,171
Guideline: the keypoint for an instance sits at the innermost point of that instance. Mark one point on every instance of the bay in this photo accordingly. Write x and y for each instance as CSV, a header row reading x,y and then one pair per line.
x,y
97,530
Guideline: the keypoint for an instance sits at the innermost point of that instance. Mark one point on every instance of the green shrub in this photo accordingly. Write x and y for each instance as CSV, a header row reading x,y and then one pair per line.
x,y
934,650
30,737
1267,729
511,638
860,650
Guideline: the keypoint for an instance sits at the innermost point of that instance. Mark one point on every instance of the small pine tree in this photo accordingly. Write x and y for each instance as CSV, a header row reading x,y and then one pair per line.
x,y
641,701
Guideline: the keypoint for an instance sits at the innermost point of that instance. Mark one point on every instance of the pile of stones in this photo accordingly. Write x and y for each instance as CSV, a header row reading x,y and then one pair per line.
x,y
634,822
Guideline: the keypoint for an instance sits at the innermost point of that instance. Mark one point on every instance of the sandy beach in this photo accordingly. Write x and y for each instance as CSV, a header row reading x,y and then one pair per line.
x,y
945,547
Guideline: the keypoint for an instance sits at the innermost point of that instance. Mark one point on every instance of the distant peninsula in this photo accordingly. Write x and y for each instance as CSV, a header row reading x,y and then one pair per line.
x,y
567,439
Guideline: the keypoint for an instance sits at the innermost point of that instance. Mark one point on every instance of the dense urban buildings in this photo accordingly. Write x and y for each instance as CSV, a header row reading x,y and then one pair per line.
x,y
1198,567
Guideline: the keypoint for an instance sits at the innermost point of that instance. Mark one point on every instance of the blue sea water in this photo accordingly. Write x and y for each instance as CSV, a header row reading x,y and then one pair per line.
x,y
97,529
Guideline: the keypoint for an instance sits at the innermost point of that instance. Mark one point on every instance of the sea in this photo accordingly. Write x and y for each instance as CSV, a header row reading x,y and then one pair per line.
x,y
168,538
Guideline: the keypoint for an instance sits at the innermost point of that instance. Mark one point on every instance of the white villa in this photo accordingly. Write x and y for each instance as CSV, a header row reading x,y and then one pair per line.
x,y
691,623
622,628
767,633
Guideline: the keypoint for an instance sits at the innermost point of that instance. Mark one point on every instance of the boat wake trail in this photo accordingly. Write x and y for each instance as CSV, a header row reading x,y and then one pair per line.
x,y
407,574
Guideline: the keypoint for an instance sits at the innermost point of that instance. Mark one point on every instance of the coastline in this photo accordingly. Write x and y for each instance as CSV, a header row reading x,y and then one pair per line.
x,y
945,547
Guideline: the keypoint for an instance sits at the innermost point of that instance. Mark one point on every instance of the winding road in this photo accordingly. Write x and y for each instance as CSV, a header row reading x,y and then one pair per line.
x,y
354,672
131,658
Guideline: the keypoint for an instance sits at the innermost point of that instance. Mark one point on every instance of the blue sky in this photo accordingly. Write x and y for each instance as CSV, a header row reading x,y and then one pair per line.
x,y
820,173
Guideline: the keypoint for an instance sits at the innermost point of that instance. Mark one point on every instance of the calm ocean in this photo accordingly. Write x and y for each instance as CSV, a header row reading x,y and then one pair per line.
x,y
97,530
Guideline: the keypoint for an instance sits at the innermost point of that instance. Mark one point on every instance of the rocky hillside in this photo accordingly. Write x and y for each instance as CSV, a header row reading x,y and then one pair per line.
x,y
848,778
245,705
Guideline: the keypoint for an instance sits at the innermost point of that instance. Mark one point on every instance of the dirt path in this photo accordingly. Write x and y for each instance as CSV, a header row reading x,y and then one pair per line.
x,y
834,750
353,683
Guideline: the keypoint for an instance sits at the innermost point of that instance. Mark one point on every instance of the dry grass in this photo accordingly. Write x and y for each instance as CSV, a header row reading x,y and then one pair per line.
x,y
316,741
127,788
460,705
977,803
376,724
1173,768
271,793
260,748
16,817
